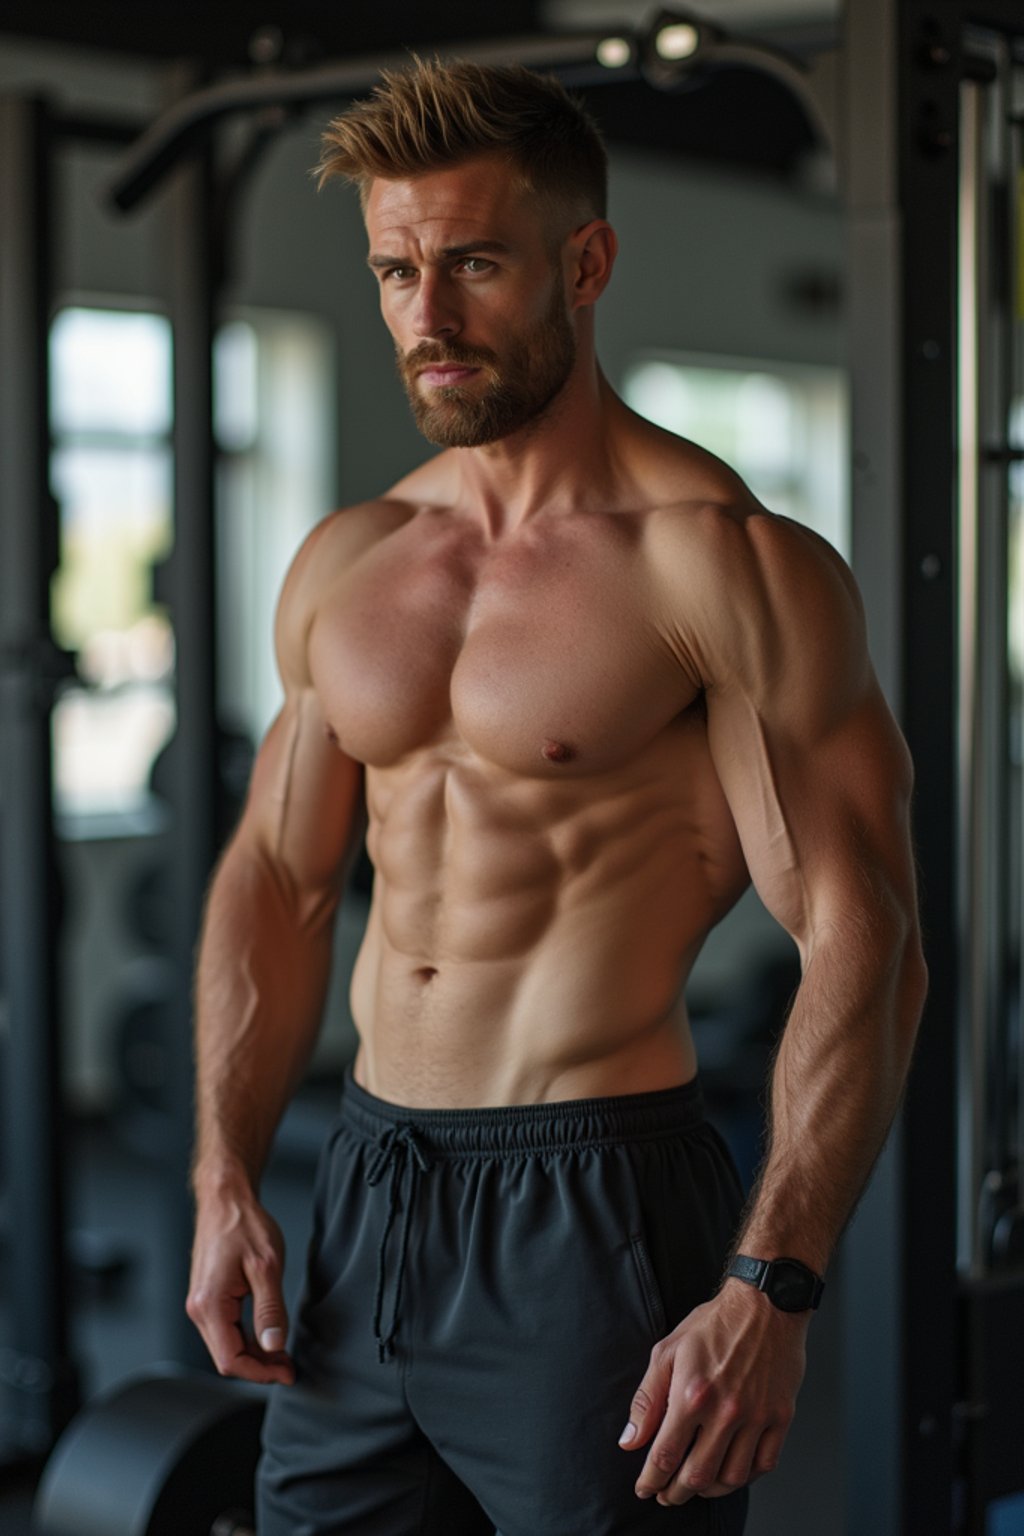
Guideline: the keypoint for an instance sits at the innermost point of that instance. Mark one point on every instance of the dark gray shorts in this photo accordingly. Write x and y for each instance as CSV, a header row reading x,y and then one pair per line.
x,y
483,1291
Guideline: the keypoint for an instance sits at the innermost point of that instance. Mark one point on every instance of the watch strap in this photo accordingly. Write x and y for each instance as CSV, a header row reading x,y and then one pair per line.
x,y
759,1273
751,1270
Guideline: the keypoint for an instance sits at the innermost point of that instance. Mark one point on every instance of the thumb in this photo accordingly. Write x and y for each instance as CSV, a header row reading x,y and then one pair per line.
x,y
269,1315
648,1406
272,1334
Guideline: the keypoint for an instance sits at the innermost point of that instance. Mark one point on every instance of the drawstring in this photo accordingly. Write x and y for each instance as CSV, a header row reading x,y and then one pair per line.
x,y
398,1139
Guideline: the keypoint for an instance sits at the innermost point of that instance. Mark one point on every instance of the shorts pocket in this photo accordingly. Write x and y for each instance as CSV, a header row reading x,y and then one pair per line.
x,y
648,1285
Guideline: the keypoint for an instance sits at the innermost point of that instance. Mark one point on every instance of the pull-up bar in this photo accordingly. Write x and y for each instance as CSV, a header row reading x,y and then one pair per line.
x,y
176,130
664,54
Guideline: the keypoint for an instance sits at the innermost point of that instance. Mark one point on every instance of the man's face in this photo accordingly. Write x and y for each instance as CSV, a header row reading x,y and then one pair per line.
x,y
474,300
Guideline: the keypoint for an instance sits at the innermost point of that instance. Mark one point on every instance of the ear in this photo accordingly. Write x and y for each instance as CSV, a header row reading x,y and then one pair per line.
x,y
590,256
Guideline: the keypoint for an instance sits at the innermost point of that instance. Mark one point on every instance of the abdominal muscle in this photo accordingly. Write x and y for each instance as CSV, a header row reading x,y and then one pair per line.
x,y
529,938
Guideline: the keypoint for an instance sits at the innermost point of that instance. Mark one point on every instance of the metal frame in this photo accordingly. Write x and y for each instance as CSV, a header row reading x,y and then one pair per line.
x,y
38,1380
188,583
925,1395
573,57
930,64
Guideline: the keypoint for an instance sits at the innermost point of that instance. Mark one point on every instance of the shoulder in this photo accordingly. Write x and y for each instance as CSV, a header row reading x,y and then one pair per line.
x,y
754,591
330,548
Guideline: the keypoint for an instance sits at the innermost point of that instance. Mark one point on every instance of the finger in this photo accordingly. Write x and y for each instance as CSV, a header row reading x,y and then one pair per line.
x,y
675,1439
235,1355
218,1320
712,1475
664,1460
250,1365
263,1270
769,1448
650,1400
276,1365
737,1466
751,1455
701,1474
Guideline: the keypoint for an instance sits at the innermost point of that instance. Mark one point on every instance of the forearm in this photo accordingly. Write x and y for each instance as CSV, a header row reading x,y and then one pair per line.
x,y
264,961
835,1089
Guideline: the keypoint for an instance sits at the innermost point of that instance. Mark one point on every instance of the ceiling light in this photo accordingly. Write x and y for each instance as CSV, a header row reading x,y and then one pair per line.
x,y
678,40
614,52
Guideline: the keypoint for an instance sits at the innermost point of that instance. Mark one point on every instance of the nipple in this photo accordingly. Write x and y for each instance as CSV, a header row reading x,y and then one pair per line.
x,y
558,752
331,734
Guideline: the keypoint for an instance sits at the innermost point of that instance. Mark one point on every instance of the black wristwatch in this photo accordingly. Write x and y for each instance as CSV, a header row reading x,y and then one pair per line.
x,y
787,1283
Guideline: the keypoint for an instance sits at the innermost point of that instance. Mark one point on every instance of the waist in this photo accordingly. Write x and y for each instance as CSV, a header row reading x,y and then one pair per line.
x,y
515,1128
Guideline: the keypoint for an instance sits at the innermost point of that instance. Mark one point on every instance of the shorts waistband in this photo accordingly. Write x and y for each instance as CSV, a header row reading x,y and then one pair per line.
x,y
518,1128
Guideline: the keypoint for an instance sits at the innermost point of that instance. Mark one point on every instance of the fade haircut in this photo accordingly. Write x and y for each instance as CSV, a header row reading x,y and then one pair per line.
x,y
434,115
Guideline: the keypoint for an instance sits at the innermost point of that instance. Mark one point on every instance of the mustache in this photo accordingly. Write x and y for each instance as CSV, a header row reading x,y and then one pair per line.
x,y
430,354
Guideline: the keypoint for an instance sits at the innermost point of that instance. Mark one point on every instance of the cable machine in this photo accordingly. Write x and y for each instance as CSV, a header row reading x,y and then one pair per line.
x,y
935,1268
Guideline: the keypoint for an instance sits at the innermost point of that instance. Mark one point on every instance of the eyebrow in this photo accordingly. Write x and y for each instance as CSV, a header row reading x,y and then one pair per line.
x,y
448,253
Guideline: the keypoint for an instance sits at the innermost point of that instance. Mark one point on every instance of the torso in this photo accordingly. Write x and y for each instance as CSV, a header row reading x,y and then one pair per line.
x,y
550,839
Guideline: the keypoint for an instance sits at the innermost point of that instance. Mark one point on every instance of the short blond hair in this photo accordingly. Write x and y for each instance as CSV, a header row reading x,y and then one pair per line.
x,y
433,115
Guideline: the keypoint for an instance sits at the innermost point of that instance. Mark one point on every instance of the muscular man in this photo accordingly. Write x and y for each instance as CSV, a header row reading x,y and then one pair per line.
x,y
587,688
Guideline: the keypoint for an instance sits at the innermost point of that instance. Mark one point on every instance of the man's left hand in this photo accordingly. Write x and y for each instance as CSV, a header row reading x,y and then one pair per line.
x,y
718,1397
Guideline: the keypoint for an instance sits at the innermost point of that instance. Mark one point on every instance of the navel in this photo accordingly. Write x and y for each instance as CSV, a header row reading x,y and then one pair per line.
x,y
558,752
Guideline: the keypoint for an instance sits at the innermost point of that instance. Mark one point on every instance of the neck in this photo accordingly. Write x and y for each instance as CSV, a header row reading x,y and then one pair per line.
x,y
564,459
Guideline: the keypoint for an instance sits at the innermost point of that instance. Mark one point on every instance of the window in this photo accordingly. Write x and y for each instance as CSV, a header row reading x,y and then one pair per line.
x,y
112,475
782,427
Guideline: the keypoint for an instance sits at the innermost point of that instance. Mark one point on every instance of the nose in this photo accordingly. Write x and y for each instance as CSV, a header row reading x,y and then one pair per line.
x,y
435,313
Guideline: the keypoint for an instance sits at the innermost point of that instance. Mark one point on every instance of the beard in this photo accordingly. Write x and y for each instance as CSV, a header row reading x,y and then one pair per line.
x,y
523,382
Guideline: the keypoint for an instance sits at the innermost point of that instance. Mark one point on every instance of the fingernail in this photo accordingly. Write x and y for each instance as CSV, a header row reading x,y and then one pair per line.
x,y
272,1339
628,1434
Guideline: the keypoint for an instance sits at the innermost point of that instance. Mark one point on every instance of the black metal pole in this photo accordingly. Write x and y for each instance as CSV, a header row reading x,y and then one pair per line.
x,y
931,63
38,1383
190,583
900,1282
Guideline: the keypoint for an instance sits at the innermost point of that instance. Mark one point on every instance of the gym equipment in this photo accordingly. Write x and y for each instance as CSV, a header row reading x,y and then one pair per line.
x,y
165,1455
934,161
143,1036
38,1378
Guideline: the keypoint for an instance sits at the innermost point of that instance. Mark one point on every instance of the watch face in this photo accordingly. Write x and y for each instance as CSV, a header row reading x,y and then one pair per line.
x,y
790,1286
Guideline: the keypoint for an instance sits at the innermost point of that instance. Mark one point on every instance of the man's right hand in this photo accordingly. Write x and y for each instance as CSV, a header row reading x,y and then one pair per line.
x,y
239,1251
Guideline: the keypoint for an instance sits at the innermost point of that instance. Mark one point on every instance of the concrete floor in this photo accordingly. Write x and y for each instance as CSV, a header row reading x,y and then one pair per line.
x,y
116,1333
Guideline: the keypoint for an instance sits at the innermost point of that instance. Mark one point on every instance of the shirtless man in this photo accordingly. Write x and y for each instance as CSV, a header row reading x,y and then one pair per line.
x,y
587,688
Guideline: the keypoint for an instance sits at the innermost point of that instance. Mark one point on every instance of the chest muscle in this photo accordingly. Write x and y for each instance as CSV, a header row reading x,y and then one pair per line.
x,y
539,657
